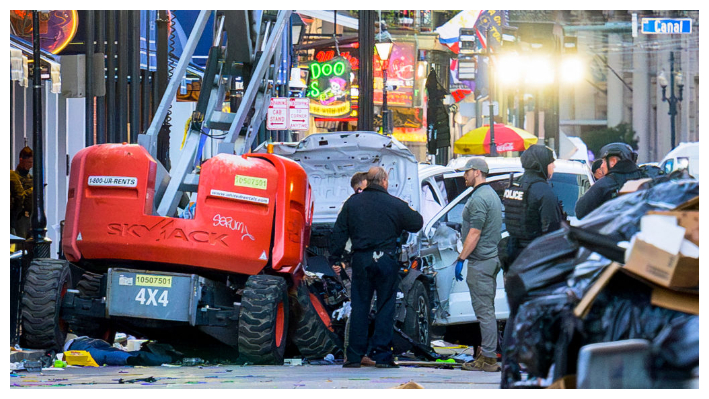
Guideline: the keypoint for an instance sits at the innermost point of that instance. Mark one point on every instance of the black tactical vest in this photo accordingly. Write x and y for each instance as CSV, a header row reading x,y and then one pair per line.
x,y
621,178
521,223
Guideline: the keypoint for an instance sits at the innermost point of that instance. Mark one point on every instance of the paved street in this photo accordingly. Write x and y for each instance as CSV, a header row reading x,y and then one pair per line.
x,y
254,377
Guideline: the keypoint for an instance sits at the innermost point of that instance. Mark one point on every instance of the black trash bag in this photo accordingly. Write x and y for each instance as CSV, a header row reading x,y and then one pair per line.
x,y
589,266
676,348
619,218
547,261
565,264
622,310
532,338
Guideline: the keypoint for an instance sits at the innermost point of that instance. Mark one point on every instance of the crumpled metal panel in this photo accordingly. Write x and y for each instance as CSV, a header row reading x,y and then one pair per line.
x,y
330,160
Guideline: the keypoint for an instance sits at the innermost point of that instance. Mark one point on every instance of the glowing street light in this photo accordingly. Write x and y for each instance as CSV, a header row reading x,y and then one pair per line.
x,y
508,67
539,71
384,48
572,70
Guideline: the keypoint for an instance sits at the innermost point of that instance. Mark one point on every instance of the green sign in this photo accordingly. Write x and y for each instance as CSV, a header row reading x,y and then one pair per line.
x,y
329,87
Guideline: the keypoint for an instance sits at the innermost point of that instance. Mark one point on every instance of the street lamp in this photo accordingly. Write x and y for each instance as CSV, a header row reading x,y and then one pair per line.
x,y
297,26
675,79
383,48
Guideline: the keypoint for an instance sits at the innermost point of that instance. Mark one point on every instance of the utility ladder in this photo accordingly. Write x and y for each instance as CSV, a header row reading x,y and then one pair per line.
x,y
242,39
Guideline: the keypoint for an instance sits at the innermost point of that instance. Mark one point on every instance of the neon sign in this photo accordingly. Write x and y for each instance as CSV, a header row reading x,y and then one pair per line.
x,y
327,55
329,87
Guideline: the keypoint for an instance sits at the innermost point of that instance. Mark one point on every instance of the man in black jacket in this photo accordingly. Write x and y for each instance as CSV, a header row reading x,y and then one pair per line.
x,y
620,167
373,220
531,209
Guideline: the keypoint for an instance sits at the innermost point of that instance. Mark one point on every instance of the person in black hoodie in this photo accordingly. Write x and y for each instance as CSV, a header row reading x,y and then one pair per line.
x,y
620,167
531,208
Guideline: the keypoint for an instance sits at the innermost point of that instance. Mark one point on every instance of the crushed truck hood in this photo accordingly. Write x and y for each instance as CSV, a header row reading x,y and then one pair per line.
x,y
330,160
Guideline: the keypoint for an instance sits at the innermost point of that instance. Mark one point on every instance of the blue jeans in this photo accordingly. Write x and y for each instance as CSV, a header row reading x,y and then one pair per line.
x,y
369,276
103,353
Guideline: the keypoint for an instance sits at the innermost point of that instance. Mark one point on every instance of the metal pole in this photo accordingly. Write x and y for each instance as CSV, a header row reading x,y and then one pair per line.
x,y
112,134
146,76
123,66
101,99
537,99
385,111
39,219
672,100
134,18
89,81
366,87
493,147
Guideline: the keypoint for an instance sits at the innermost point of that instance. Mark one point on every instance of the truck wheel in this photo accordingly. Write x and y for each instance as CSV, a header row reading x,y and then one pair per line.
x,y
313,334
263,320
90,287
45,285
418,315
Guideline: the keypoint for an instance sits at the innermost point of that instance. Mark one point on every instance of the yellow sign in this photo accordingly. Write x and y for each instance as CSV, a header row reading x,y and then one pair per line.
x,y
252,182
330,111
147,280
417,136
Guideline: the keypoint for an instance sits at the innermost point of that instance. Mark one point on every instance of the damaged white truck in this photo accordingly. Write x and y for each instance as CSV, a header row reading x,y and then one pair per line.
x,y
429,297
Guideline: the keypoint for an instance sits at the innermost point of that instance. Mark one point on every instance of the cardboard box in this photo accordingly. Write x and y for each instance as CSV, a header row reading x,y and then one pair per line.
x,y
680,301
687,219
632,186
661,267
691,205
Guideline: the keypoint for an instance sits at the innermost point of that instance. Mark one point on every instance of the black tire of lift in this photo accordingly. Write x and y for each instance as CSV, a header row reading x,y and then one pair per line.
x,y
258,318
41,304
312,337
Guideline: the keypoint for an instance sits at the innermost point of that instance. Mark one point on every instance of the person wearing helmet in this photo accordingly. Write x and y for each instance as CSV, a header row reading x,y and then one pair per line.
x,y
597,169
619,167
531,208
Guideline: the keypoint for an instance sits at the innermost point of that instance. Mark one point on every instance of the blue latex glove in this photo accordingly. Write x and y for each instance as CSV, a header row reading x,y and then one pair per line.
x,y
459,270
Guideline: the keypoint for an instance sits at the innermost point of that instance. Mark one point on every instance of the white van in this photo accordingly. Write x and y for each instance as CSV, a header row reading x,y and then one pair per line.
x,y
684,156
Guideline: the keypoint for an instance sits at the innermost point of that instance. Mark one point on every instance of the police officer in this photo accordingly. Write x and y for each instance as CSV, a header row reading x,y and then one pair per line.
x,y
373,220
18,196
24,166
619,164
531,209
597,169
481,228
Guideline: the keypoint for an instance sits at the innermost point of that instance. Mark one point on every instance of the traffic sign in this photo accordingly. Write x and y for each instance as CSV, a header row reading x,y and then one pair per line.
x,y
667,25
277,115
298,113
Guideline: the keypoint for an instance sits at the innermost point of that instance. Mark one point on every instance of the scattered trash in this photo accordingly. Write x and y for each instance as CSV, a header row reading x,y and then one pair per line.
x,y
134,344
60,363
32,366
293,362
80,358
147,379
192,361
17,366
463,357
330,358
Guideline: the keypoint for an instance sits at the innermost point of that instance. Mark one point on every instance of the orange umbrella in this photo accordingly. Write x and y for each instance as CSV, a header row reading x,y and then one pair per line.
x,y
507,138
